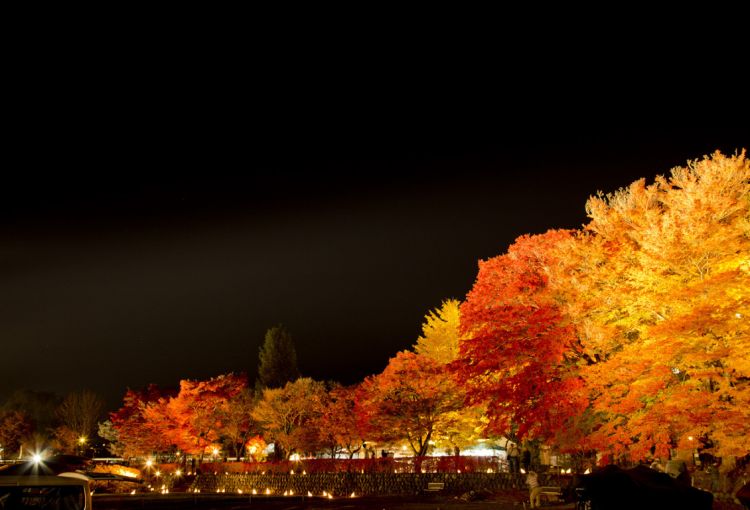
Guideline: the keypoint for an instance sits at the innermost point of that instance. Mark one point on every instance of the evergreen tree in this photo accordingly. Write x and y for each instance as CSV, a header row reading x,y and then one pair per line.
x,y
277,359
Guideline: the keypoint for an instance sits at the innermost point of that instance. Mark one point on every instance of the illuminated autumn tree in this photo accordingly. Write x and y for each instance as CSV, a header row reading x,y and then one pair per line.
x,y
520,352
339,429
15,428
136,435
440,333
440,341
410,400
108,432
256,449
191,420
237,424
666,286
285,413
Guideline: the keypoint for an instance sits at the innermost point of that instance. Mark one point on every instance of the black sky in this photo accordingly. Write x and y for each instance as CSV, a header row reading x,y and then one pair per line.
x,y
154,223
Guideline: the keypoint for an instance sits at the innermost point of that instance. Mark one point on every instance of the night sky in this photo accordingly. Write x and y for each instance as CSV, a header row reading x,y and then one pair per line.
x,y
153,230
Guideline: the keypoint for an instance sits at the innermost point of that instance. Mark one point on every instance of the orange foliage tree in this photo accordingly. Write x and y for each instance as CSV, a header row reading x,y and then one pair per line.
x,y
666,292
191,420
136,436
339,429
410,400
630,336
154,421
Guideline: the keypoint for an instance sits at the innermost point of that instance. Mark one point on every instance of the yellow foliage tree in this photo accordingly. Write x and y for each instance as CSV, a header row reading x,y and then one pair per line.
x,y
286,413
440,341
440,337
662,296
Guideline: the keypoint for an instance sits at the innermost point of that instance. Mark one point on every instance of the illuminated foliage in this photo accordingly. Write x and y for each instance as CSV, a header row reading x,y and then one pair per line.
x,y
668,306
631,336
339,429
285,413
136,435
237,424
255,449
440,333
440,342
520,348
410,400
15,427
191,421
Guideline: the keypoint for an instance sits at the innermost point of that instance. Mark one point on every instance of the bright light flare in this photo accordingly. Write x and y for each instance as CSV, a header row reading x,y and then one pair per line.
x,y
36,458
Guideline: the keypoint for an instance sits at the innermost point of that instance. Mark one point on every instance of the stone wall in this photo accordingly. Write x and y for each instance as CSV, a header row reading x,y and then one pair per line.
x,y
360,483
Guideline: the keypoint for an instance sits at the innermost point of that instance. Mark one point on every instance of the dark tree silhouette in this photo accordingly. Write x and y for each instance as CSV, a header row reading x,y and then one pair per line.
x,y
277,359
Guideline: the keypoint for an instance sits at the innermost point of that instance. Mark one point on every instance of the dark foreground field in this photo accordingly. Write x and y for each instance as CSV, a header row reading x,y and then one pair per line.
x,y
507,501
512,501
